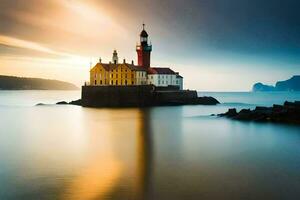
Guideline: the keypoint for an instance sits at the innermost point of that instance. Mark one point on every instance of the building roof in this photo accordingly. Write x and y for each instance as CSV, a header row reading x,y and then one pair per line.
x,y
112,66
135,67
160,70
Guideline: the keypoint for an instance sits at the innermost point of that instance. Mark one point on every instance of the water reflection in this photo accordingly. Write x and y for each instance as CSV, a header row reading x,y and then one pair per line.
x,y
66,152
126,156
101,169
144,155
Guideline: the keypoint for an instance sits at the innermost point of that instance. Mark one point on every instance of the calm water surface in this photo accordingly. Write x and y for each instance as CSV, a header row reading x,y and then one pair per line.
x,y
69,152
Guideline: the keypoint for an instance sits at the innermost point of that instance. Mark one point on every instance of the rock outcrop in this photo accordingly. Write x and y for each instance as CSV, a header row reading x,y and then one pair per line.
x,y
289,112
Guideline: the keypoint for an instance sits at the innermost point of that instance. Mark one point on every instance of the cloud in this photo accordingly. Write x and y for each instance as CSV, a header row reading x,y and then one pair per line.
x,y
80,27
15,42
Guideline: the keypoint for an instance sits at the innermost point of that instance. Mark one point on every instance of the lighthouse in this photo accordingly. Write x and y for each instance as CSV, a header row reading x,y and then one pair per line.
x,y
144,49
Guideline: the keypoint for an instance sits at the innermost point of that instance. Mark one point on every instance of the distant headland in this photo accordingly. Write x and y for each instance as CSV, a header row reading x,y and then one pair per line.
x,y
292,84
21,83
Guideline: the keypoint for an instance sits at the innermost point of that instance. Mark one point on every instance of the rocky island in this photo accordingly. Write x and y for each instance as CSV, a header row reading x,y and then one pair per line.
x,y
289,112
123,84
137,96
292,84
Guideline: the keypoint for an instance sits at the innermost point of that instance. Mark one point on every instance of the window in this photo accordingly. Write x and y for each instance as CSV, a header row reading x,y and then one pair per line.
x,y
116,82
132,82
125,82
163,82
125,75
111,75
95,82
167,82
112,82
158,82
176,81
132,76
100,82
151,77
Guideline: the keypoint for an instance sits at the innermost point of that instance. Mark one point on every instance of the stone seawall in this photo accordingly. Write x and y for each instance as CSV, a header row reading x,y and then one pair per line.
x,y
175,97
116,96
139,96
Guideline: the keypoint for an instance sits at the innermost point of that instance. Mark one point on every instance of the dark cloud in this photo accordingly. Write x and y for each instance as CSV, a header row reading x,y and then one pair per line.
x,y
241,26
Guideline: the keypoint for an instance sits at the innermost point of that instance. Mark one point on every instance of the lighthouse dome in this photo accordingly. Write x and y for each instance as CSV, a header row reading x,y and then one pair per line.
x,y
144,34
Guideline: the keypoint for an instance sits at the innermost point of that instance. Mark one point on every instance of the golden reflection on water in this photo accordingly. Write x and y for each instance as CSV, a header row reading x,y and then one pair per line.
x,y
144,155
104,166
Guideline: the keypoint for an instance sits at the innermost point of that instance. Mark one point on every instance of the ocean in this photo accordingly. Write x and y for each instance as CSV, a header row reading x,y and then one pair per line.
x,y
70,152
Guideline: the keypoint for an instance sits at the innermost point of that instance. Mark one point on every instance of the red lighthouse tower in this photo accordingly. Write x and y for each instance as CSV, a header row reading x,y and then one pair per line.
x,y
144,50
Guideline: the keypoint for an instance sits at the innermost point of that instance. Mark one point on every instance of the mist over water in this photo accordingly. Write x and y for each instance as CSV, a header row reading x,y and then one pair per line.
x,y
70,152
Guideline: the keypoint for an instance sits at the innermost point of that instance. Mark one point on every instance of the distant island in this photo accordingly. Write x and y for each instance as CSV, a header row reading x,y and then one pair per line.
x,y
292,84
20,83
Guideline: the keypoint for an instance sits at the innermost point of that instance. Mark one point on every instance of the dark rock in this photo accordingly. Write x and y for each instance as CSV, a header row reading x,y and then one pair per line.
x,y
288,113
230,113
277,107
207,101
76,102
245,111
244,114
259,108
40,104
287,103
61,103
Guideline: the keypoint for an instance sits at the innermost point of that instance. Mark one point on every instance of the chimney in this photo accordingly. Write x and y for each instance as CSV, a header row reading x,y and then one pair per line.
x,y
100,60
124,60
132,62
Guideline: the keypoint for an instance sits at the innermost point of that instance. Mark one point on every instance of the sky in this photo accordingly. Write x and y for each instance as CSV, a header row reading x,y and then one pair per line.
x,y
217,45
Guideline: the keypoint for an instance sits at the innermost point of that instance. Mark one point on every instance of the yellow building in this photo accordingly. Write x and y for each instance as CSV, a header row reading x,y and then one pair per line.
x,y
103,74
